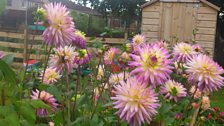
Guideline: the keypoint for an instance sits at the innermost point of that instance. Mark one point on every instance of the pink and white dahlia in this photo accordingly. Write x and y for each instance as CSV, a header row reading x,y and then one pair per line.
x,y
197,93
138,39
173,90
205,72
82,57
116,78
152,64
183,51
60,31
80,39
162,44
136,103
47,99
205,102
110,55
198,49
63,59
51,76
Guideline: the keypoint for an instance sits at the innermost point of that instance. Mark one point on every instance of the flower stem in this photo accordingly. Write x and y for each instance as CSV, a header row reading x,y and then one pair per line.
x,y
194,118
45,65
68,94
76,92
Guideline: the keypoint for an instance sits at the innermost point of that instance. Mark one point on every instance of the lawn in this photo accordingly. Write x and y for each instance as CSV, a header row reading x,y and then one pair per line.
x,y
217,99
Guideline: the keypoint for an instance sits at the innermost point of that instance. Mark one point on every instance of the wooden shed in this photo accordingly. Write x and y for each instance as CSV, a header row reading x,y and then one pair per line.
x,y
175,20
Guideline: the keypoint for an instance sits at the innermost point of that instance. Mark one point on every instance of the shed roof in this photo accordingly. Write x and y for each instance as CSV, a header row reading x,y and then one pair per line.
x,y
182,1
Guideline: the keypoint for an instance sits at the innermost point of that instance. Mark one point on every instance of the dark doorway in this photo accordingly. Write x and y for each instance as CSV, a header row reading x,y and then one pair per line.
x,y
219,39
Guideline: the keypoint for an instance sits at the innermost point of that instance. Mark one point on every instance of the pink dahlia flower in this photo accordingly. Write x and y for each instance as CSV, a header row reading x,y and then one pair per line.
x,y
60,31
116,78
198,49
51,76
63,59
82,57
205,102
136,103
183,51
80,39
47,99
205,72
173,90
110,55
152,65
138,39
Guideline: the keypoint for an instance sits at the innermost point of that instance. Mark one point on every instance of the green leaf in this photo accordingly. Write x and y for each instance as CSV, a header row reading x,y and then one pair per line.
x,y
55,92
8,58
8,74
9,115
39,104
28,113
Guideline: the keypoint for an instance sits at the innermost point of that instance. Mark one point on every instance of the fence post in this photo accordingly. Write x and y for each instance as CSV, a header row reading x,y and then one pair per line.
x,y
25,45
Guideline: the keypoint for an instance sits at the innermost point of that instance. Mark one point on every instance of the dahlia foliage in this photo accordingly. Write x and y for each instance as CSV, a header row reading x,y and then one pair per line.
x,y
138,83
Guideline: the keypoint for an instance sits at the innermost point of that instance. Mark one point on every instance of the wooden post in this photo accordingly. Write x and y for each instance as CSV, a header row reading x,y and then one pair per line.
x,y
25,45
125,35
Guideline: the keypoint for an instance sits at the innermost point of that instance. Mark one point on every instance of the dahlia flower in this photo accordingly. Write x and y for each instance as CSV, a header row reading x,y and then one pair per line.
x,y
110,55
51,76
162,44
152,65
82,57
138,39
173,90
205,72
136,103
183,51
2,54
60,31
198,49
47,99
197,94
63,59
205,102
80,39
116,78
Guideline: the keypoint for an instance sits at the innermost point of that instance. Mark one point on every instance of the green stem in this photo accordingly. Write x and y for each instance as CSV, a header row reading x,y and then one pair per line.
x,y
68,93
45,65
63,110
76,92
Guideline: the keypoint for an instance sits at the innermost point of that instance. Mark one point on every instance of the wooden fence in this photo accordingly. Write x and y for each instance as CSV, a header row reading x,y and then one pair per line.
x,y
16,44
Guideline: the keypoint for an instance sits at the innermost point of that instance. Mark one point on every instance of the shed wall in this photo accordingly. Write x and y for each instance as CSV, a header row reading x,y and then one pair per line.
x,y
176,21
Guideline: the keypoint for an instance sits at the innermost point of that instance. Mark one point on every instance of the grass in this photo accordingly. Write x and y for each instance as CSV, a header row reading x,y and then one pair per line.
x,y
217,99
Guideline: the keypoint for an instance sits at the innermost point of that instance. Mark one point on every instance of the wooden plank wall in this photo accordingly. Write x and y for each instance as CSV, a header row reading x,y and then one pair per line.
x,y
175,21
206,26
13,43
151,21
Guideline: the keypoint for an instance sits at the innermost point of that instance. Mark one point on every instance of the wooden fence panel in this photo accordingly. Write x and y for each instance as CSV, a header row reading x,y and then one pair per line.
x,y
17,48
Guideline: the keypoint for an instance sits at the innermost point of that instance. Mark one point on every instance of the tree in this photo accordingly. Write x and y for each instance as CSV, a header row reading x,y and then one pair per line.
x,y
2,5
126,10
